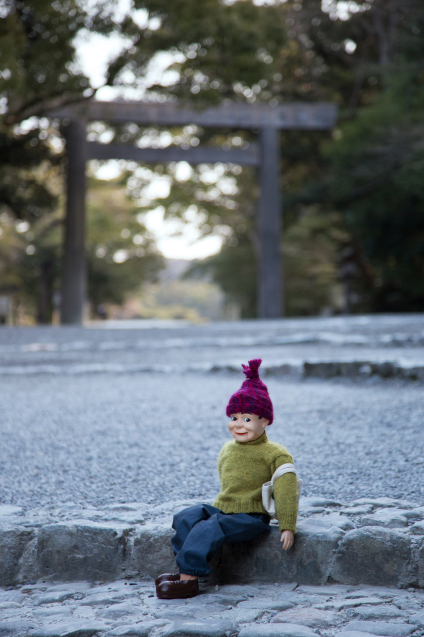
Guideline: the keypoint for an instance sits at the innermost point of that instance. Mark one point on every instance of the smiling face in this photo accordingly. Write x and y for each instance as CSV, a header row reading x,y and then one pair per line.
x,y
246,427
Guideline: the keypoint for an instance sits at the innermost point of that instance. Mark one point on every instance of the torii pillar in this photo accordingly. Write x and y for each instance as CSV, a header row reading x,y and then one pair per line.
x,y
270,262
74,276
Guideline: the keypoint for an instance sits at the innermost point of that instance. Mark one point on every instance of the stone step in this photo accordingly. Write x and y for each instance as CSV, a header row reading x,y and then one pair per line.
x,y
407,369
375,542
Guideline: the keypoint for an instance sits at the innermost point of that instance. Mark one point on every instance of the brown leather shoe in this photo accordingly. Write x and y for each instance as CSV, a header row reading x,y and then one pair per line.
x,y
167,577
178,590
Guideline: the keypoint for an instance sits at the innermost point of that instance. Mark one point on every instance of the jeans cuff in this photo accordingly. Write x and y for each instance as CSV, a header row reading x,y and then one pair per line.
x,y
193,572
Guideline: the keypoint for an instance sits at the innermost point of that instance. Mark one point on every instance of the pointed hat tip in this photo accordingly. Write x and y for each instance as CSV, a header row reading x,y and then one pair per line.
x,y
252,370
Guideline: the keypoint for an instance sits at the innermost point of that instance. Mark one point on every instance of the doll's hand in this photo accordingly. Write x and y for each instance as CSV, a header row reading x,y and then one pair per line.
x,y
287,538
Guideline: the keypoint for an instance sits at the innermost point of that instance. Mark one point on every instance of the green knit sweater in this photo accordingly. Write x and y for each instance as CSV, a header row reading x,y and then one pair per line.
x,y
244,467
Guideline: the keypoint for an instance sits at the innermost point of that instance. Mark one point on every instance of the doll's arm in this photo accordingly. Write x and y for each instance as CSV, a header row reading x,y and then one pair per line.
x,y
285,496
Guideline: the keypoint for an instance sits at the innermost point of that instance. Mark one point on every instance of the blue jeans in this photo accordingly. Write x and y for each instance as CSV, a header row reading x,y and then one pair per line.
x,y
201,529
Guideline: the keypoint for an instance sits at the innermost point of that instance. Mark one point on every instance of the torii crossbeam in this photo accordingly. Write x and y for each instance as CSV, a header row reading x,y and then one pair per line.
x,y
265,155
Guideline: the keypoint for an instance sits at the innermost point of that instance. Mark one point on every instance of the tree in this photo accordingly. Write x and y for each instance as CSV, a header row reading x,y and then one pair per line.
x,y
377,180
351,53
120,253
37,56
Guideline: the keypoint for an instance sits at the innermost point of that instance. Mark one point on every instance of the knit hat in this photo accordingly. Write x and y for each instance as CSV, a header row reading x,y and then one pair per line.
x,y
252,397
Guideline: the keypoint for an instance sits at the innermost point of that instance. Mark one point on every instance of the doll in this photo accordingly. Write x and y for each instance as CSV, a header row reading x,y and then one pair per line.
x,y
244,464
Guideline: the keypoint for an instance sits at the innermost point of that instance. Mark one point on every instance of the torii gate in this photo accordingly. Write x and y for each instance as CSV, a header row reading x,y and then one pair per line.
x,y
265,155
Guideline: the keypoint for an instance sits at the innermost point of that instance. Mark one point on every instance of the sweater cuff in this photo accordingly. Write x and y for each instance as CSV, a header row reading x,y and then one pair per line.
x,y
288,523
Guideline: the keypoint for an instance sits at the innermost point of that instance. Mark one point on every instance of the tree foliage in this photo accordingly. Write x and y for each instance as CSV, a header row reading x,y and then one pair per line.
x,y
38,72
359,192
368,57
120,253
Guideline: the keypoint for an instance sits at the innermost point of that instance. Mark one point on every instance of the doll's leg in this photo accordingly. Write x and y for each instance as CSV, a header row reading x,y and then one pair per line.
x,y
185,520
205,538
200,545
242,527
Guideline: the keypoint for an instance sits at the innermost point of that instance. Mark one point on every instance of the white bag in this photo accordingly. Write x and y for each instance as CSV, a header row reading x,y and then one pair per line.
x,y
268,488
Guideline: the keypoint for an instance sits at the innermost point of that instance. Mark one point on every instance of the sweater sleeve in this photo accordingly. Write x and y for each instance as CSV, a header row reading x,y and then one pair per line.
x,y
221,460
285,496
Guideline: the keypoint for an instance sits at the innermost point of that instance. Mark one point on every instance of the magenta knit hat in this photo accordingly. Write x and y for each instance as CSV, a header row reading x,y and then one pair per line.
x,y
252,397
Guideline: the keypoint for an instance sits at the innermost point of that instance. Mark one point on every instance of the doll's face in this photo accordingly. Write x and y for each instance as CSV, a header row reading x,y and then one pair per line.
x,y
246,427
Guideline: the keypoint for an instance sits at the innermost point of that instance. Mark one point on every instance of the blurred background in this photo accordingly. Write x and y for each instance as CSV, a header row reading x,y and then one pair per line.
x,y
174,241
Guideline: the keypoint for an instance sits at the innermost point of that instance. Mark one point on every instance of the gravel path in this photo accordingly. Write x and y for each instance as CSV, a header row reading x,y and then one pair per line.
x,y
98,439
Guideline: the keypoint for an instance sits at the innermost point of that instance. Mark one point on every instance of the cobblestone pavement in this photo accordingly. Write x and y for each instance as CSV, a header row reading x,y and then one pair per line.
x,y
131,608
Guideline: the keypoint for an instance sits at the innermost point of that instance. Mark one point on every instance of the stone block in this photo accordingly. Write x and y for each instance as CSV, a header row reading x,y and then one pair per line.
x,y
70,629
358,510
311,617
417,619
374,555
80,551
384,502
266,604
238,615
15,627
214,628
345,604
386,612
116,611
12,596
57,597
53,613
415,514
354,633
315,501
417,528
276,630
108,597
263,559
329,369
9,509
389,518
136,630
150,553
387,593
385,629
28,567
329,590
13,542
336,520
7,605
421,566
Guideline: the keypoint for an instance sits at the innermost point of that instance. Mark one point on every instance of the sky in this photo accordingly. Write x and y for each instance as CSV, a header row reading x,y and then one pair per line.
x,y
174,239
